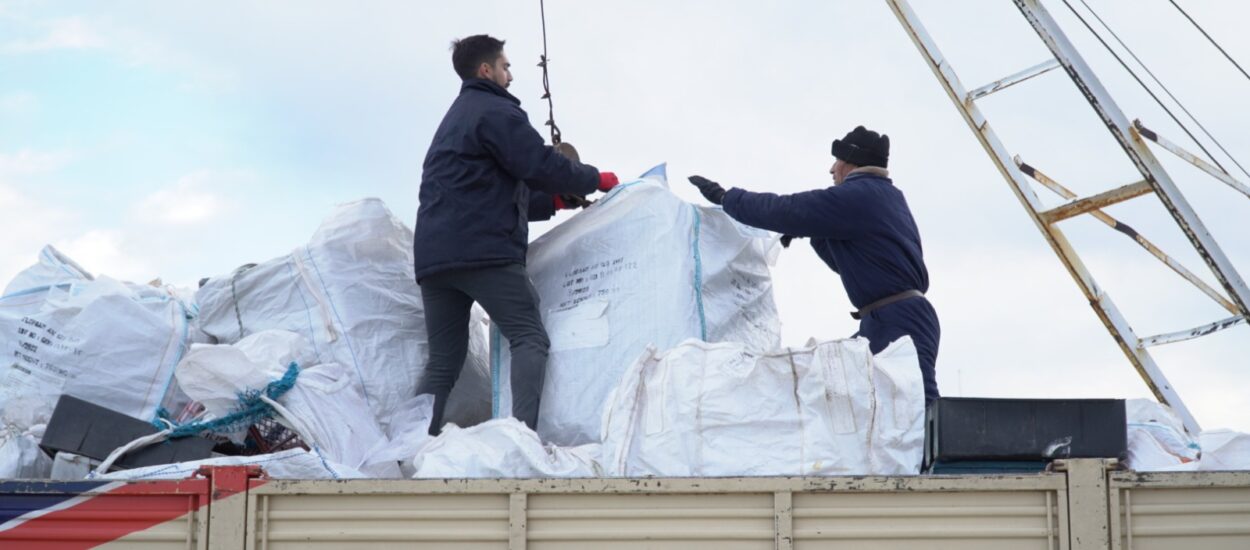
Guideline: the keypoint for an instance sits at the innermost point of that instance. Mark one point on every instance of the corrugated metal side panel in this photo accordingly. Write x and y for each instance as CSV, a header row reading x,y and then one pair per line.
x,y
185,532
1193,511
607,521
1003,511
379,521
956,520
141,515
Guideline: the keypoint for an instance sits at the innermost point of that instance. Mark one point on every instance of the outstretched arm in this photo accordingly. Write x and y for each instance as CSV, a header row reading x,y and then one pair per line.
x,y
832,213
518,148
820,213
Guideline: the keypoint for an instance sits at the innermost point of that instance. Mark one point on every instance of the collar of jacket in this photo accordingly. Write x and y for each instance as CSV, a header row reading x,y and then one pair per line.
x,y
488,86
875,171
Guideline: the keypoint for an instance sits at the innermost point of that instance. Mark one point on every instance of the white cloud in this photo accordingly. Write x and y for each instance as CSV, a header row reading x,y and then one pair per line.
x,y
189,201
108,252
29,161
71,33
132,46
27,223
18,103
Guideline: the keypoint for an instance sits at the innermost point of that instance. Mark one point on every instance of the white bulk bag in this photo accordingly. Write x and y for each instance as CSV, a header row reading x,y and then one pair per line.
x,y
112,343
411,425
1157,439
639,268
831,408
1224,450
501,448
326,406
351,291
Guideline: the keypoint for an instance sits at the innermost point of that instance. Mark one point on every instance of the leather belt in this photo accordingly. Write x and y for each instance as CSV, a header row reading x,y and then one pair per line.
x,y
864,311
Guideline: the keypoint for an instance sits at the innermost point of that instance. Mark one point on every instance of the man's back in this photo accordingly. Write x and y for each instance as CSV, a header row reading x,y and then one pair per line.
x,y
883,256
474,201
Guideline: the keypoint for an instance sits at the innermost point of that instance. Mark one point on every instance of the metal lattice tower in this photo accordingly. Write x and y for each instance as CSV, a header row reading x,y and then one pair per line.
x,y
1132,137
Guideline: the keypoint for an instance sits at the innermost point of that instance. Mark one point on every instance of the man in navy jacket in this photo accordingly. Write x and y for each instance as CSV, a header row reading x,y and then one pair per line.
x,y
863,230
486,175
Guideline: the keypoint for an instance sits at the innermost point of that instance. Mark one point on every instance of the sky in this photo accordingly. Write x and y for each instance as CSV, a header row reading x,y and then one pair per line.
x,y
175,140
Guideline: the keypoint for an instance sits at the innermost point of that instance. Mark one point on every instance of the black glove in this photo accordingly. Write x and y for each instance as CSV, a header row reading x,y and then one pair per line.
x,y
785,240
711,190
569,202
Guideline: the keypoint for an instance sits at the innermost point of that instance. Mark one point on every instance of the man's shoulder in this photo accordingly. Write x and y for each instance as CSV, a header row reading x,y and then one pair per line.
x,y
487,100
870,183
476,108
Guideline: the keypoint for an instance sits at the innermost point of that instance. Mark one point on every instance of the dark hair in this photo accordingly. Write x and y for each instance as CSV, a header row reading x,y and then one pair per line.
x,y
467,54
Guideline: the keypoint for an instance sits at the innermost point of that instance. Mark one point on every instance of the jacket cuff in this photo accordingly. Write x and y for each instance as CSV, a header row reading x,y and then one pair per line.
x,y
730,200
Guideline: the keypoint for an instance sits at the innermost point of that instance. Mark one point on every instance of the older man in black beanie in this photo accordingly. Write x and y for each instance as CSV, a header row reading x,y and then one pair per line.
x,y
862,228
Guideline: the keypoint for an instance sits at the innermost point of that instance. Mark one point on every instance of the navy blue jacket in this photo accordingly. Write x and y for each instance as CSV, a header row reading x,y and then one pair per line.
x,y
476,198
865,232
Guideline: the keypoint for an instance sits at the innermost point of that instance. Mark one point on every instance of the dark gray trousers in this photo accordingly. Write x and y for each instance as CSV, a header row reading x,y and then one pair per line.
x,y
507,295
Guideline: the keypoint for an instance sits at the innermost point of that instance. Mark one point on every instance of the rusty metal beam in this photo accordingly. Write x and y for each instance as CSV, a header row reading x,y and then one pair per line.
x,y
1009,81
1181,336
1141,130
1137,151
1131,233
1098,300
1096,202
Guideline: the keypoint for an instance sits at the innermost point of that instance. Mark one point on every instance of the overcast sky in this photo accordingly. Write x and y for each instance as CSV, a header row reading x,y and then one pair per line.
x,y
176,140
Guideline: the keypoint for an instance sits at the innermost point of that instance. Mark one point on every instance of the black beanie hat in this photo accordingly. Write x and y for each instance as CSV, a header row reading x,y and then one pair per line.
x,y
863,147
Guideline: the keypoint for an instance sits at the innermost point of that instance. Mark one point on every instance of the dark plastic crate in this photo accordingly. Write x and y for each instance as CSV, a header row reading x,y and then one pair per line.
x,y
959,429
89,430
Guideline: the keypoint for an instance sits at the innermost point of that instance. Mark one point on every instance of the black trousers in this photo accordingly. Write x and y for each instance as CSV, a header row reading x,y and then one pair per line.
x,y
507,295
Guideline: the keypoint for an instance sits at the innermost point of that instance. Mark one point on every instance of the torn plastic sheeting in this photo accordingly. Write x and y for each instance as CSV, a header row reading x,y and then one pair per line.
x,y
289,464
20,455
831,408
109,342
502,448
641,267
22,425
352,293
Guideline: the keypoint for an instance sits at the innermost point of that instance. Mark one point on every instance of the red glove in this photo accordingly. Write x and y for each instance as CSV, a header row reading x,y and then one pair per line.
x,y
607,180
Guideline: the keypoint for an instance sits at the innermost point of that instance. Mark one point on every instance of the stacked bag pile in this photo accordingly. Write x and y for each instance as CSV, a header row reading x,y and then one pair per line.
x,y
665,360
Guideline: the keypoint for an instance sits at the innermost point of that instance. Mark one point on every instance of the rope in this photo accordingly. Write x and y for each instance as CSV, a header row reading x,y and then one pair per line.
x,y
144,441
1143,84
253,405
234,294
543,62
1212,40
251,408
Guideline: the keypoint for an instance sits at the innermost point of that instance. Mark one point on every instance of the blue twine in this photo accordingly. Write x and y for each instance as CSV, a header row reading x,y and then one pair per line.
x,y
249,410
496,356
698,273
162,414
